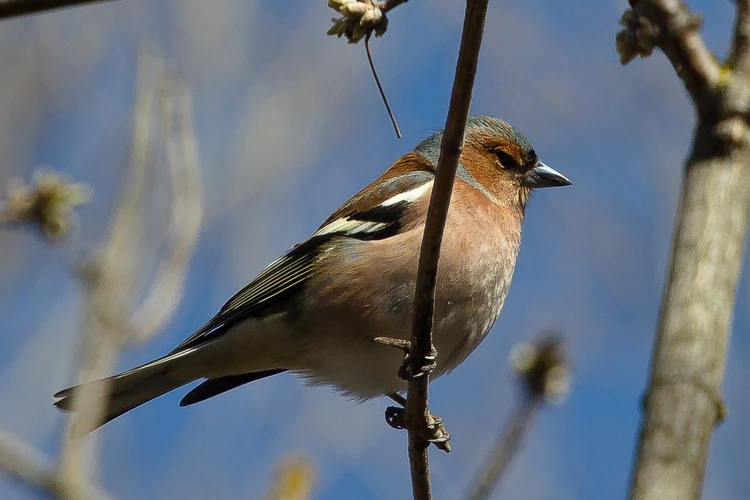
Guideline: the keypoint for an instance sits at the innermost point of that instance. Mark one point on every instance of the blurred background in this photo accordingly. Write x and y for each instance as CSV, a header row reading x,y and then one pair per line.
x,y
289,124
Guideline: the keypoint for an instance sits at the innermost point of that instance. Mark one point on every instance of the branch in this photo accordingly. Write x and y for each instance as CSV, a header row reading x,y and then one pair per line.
x,y
545,378
184,227
682,44
507,445
110,281
16,8
683,402
739,52
669,25
389,5
417,412
27,464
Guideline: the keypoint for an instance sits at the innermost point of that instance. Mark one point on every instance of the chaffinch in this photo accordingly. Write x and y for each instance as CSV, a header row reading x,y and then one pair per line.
x,y
316,310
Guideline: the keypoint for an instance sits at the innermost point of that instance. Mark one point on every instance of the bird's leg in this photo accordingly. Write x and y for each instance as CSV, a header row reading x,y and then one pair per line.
x,y
398,398
395,415
407,370
435,433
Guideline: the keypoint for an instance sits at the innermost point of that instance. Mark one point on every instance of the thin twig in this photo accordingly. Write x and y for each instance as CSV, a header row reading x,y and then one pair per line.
x,y
16,8
543,372
505,448
110,282
417,411
27,464
380,87
389,5
184,226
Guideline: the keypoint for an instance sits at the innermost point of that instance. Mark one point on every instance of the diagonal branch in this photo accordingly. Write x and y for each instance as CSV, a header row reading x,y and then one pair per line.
x,y
544,375
16,8
417,412
389,5
111,281
681,42
27,464
507,445
110,284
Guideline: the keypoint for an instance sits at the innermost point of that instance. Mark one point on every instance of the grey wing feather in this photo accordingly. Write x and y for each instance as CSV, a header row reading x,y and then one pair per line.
x,y
363,217
281,278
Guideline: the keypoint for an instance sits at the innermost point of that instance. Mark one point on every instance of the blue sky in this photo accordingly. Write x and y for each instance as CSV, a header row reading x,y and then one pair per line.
x,y
290,125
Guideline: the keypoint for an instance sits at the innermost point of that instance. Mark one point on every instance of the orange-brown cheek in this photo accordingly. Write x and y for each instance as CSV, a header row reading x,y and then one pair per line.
x,y
483,166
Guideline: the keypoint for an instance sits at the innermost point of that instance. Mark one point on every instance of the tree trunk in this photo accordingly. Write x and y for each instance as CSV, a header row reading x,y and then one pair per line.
x,y
683,403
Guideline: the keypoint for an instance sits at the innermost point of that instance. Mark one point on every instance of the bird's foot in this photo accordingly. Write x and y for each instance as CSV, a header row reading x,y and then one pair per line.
x,y
435,432
407,371
394,416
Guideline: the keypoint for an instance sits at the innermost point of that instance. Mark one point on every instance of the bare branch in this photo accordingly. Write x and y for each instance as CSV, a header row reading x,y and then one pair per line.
x,y
417,412
683,45
677,35
380,87
110,281
739,53
507,445
15,8
109,285
184,227
29,465
544,377
25,462
683,402
389,5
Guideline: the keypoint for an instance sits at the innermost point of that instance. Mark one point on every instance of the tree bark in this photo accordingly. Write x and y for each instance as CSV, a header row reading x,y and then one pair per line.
x,y
683,403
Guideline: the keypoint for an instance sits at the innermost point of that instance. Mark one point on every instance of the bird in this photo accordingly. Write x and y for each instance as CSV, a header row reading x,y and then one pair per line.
x,y
316,310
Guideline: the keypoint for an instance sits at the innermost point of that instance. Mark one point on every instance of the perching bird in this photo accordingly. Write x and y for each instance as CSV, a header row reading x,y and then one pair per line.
x,y
316,310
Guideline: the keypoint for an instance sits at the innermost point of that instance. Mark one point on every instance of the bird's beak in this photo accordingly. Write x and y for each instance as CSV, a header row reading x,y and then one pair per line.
x,y
543,176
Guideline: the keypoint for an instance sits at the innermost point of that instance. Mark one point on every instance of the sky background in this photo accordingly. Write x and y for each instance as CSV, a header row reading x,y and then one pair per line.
x,y
289,125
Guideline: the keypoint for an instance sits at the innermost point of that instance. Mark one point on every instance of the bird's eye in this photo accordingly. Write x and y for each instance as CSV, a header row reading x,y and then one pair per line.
x,y
507,160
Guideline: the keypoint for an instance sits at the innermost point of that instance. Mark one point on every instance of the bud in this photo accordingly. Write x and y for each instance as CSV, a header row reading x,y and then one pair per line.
x,y
543,369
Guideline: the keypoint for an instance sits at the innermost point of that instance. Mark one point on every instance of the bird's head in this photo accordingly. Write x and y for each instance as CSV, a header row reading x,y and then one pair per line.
x,y
504,162
498,160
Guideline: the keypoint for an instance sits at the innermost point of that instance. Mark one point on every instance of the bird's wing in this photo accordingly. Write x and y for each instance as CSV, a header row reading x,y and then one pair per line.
x,y
372,214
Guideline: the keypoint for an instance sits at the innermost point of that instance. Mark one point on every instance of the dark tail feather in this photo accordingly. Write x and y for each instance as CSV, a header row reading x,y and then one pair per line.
x,y
215,386
128,390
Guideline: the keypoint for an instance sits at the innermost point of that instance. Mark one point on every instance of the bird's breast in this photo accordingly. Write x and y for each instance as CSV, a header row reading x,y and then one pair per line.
x,y
473,281
369,292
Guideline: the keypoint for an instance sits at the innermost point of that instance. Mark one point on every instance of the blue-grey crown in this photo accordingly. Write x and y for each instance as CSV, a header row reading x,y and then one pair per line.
x,y
430,147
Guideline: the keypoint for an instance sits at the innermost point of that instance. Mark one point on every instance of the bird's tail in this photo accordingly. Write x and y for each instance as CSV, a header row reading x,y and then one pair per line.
x,y
128,390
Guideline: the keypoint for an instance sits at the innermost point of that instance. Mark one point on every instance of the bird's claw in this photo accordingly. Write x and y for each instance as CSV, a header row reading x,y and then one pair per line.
x,y
394,416
435,432
407,371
